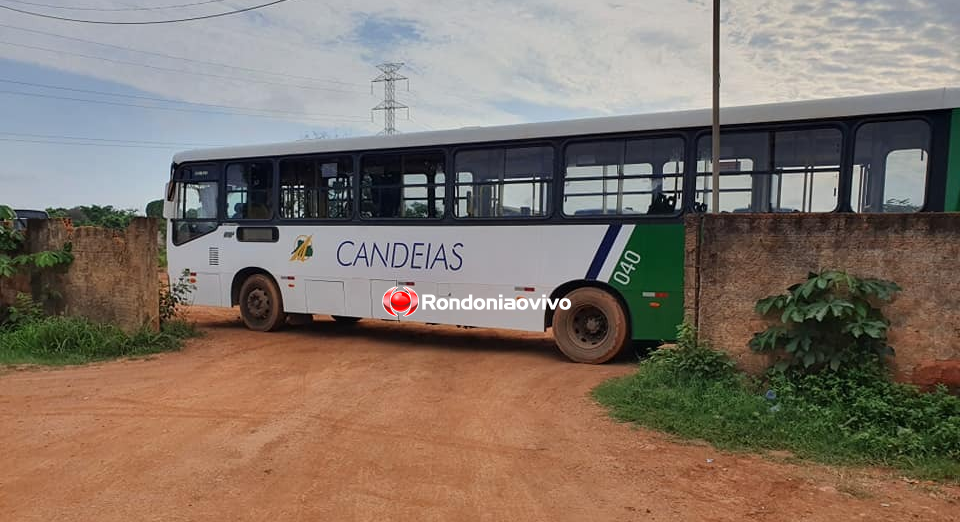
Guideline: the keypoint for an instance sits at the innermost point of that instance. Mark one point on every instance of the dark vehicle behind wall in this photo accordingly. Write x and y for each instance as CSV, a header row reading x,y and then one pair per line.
x,y
20,223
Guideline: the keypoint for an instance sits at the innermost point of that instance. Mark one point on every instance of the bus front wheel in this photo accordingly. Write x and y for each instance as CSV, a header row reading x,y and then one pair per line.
x,y
261,304
594,329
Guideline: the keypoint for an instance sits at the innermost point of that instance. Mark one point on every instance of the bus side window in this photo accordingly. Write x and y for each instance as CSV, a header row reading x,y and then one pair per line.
x,y
504,182
786,171
195,204
249,193
402,185
316,188
890,166
627,177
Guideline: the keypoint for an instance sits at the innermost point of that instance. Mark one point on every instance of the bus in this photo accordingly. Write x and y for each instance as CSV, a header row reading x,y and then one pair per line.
x,y
588,210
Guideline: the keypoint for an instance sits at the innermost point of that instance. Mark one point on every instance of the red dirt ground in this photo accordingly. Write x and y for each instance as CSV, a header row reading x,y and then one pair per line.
x,y
384,422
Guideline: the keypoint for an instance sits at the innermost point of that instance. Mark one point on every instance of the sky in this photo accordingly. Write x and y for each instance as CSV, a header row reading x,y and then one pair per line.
x,y
303,68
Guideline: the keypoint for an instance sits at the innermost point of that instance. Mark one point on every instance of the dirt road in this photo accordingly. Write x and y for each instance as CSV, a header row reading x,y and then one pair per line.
x,y
379,422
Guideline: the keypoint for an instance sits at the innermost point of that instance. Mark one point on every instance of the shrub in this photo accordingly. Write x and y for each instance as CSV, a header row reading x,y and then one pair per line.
x,y
873,416
693,359
74,340
854,415
827,322
173,296
23,312
11,241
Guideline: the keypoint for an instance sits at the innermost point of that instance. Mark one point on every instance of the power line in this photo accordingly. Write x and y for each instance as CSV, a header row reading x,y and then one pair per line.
x,y
47,142
420,123
163,100
175,109
114,9
172,21
141,142
182,71
173,57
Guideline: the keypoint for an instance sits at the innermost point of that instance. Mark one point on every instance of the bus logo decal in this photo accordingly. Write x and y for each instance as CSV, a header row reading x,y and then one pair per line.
x,y
400,303
303,250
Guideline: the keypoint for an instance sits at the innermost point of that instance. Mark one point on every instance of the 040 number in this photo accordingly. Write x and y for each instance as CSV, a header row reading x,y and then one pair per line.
x,y
628,263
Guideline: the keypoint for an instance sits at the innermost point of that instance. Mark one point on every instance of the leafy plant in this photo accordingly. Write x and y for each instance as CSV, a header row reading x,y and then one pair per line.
x,y
827,322
23,312
95,215
854,415
884,419
174,296
11,241
693,358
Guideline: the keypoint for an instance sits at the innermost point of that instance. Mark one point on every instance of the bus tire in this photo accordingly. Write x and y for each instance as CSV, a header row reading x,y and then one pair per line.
x,y
594,329
261,305
345,319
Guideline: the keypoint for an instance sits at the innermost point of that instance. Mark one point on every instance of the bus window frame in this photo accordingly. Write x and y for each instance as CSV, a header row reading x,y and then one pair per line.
x,y
217,177
625,137
773,128
933,156
354,179
520,144
274,187
934,195
359,157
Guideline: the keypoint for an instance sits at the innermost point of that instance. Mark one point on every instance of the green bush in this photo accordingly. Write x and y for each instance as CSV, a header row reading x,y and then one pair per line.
x,y
11,242
174,296
692,358
96,216
854,415
827,322
24,311
59,340
874,416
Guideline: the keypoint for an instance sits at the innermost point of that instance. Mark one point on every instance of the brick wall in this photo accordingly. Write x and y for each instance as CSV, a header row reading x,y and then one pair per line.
x,y
732,260
10,287
113,278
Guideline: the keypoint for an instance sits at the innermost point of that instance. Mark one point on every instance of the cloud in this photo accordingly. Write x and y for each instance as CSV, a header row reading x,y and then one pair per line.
x,y
489,61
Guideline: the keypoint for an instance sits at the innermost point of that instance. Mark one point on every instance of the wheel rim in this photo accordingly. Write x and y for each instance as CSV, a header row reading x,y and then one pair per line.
x,y
589,326
258,304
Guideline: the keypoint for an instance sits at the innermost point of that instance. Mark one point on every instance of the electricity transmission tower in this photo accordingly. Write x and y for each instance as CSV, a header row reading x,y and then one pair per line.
x,y
389,105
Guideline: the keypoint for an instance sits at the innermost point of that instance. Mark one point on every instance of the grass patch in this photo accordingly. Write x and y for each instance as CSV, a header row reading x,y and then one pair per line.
x,y
58,341
854,416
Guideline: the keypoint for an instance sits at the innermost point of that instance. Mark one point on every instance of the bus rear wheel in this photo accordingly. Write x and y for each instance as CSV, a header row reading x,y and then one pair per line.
x,y
594,329
261,305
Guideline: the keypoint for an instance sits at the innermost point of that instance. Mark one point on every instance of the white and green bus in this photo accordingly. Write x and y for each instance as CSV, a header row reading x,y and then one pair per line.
x,y
588,210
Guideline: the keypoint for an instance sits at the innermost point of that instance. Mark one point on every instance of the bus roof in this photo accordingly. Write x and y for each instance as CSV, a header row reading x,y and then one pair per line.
x,y
933,99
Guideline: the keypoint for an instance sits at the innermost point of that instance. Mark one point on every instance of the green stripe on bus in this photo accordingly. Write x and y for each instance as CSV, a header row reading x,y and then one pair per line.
x,y
952,202
652,261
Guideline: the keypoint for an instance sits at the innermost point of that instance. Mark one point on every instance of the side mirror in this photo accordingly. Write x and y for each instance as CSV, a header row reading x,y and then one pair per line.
x,y
169,207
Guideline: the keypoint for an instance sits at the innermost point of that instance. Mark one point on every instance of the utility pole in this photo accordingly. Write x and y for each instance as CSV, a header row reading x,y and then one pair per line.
x,y
715,148
389,105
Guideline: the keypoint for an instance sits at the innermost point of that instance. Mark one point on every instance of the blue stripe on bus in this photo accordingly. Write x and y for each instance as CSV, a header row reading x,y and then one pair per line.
x,y
601,256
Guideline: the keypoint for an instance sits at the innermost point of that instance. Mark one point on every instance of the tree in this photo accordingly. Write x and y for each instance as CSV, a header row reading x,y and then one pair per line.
x,y
155,209
95,215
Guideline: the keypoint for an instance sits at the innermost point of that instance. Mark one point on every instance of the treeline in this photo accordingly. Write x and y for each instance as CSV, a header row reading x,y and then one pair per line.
x,y
104,216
